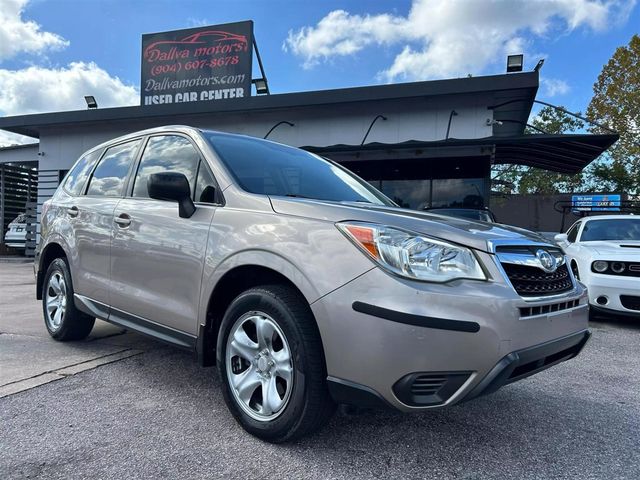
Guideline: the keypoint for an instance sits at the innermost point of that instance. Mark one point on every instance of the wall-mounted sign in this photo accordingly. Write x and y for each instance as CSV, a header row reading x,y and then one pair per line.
x,y
596,203
200,64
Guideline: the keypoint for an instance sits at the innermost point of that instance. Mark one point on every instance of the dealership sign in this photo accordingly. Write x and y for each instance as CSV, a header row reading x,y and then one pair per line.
x,y
197,64
596,203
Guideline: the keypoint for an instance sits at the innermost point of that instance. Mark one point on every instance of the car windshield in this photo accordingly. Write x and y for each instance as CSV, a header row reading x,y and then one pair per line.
x,y
612,229
269,168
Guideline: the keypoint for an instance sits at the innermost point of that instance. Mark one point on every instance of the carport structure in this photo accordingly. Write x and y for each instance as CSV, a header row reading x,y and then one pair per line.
x,y
18,189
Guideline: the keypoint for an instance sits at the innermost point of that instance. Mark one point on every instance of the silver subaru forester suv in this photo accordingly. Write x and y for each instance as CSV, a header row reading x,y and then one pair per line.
x,y
305,285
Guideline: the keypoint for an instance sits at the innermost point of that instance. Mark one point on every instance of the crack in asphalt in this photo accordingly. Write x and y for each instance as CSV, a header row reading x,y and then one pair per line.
x,y
64,375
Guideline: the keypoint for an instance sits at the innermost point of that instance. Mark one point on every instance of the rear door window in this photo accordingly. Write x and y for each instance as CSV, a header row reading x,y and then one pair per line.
x,y
166,153
110,175
77,177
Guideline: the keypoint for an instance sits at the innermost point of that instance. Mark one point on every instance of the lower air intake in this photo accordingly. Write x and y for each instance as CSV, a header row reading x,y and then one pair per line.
x,y
432,388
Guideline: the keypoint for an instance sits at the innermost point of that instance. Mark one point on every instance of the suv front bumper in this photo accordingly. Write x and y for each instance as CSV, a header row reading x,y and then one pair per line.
x,y
385,336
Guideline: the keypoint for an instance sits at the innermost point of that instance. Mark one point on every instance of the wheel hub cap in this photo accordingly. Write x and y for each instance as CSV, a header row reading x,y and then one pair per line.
x,y
259,366
263,364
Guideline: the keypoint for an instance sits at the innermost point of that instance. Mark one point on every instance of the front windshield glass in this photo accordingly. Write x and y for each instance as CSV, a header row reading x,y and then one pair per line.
x,y
612,229
269,168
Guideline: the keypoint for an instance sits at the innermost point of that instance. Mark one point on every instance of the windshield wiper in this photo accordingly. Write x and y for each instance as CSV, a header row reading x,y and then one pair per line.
x,y
295,195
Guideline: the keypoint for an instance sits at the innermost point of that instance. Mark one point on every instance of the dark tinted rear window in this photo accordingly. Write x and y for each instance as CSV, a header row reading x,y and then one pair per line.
x,y
269,168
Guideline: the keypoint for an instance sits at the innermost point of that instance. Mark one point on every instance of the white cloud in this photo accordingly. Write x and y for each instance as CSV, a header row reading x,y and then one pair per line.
x,y
37,89
18,35
450,38
553,87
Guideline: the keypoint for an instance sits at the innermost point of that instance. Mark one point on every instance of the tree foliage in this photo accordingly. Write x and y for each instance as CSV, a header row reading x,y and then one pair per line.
x,y
616,105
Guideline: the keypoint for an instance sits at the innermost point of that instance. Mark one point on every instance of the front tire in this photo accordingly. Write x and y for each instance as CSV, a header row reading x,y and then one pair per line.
x,y
63,320
272,365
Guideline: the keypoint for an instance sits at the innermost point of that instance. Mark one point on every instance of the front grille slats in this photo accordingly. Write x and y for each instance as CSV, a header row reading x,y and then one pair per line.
x,y
533,281
543,309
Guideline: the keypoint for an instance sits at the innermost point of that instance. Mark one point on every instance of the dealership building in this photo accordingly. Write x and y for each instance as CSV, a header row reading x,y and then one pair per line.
x,y
424,144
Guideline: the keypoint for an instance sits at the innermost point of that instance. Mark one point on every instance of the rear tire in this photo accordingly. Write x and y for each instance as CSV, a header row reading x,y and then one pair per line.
x,y
270,349
63,320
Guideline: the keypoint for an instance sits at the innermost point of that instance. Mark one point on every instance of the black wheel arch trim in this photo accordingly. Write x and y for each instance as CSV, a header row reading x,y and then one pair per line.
x,y
416,320
346,392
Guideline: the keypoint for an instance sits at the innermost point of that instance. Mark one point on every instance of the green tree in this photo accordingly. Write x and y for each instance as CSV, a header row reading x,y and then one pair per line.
x,y
616,104
535,180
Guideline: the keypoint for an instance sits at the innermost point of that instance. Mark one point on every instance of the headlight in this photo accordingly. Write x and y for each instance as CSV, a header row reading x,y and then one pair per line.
x,y
413,255
600,266
617,267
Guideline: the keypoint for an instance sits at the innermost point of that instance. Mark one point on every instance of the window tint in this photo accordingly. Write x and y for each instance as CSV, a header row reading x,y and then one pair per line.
x,y
167,153
77,177
205,185
110,174
269,168
621,229
573,233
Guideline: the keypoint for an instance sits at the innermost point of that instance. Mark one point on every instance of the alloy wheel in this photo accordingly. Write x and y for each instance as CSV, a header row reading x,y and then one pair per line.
x,y
259,366
56,300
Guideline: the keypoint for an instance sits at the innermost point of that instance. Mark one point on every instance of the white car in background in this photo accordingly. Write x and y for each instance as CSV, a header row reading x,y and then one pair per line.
x,y
604,254
16,236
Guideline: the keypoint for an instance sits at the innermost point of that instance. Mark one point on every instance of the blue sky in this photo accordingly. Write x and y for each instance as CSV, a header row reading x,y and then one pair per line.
x,y
310,45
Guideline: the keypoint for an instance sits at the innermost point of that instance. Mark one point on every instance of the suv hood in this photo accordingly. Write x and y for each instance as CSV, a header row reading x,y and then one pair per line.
x,y
465,232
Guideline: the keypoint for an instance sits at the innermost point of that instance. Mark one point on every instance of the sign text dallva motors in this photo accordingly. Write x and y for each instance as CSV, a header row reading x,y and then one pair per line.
x,y
197,64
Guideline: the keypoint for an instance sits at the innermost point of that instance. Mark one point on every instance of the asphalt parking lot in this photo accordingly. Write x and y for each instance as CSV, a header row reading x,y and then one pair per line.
x,y
120,406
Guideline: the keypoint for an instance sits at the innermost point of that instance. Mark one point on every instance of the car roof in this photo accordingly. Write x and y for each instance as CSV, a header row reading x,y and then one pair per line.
x,y
608,217
171,128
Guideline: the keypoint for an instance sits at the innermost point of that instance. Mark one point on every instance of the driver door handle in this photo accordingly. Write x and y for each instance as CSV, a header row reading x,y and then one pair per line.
x,y
123,220
72,211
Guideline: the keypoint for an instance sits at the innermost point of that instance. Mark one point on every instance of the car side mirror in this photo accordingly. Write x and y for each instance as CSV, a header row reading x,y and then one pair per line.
x,y
172,186
561,238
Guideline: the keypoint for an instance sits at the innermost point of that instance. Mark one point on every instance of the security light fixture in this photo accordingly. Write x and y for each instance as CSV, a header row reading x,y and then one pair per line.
x,y
515,63
262,87
538,65
91,101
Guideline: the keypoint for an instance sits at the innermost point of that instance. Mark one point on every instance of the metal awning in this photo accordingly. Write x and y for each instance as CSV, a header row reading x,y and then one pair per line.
x,y
566,153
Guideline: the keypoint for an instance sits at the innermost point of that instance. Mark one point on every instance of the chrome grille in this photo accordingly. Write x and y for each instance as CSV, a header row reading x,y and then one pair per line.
x,y
523,267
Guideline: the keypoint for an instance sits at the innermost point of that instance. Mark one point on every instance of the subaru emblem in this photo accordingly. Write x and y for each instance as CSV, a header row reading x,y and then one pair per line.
x,y
547,261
